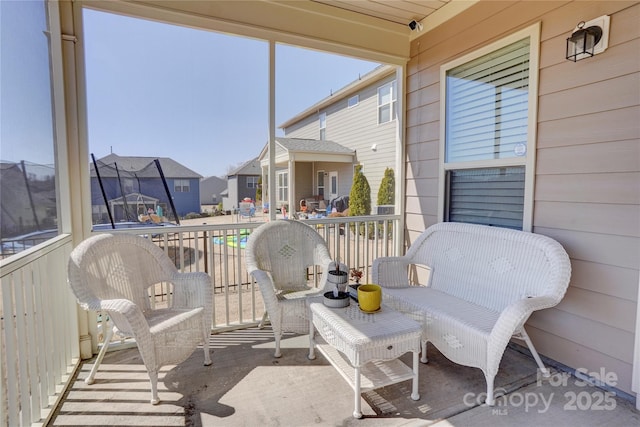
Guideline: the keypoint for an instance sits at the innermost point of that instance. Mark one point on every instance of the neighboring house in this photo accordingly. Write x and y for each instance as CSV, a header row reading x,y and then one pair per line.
x,y
322,144
212,190
139,179
315,166
241,182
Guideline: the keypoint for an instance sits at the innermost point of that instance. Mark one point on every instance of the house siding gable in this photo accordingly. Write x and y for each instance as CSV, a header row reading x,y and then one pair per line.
x,y
356,128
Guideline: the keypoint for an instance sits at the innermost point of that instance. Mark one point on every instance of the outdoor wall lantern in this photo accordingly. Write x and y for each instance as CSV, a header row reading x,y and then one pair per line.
x,y
588,39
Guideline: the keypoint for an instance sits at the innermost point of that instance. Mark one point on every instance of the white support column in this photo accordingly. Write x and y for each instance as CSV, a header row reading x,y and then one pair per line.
x,y
400,172
292,186
635,376
76,164
272,130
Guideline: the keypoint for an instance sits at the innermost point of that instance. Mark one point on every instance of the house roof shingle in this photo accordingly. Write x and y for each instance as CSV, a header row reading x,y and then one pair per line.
x,y
252,167
144,166
312,146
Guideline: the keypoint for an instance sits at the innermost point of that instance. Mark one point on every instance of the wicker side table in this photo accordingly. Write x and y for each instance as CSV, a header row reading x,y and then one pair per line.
x,y
364,347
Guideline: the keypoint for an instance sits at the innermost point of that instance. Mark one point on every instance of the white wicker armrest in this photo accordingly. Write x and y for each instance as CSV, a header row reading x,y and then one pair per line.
x,y
127,317
513,318
192,290
267,289
391,272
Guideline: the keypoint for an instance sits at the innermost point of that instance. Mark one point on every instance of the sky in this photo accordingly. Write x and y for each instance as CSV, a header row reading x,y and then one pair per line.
x,y
25,105
196,96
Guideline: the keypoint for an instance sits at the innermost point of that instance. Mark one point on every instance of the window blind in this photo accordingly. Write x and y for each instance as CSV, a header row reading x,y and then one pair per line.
x,y
487,106
489,196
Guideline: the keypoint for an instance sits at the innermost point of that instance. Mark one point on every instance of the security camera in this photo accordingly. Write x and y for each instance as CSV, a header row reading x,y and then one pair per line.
x,y
414,25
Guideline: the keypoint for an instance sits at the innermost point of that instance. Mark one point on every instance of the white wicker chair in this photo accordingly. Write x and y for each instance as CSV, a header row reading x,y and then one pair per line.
x,y
112,273
277,255
483,285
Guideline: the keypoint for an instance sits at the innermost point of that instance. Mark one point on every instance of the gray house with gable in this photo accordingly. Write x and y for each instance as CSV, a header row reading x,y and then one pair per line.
x,y
212,190
241,182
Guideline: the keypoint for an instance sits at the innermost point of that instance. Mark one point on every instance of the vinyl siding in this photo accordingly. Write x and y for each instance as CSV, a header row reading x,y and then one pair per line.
x,y
587,187
356,128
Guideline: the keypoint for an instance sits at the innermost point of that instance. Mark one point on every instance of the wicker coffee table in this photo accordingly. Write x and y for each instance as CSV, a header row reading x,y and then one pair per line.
x,y
364,347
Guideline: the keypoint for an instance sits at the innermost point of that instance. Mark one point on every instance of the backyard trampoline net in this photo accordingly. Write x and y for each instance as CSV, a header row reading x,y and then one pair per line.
x,y
130,196
28,200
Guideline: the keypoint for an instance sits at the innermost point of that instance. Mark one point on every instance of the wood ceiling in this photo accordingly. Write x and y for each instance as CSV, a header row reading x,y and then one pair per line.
x,y
397,11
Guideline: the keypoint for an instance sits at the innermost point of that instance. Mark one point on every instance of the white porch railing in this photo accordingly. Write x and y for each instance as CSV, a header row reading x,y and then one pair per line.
x,y
218,249
39,333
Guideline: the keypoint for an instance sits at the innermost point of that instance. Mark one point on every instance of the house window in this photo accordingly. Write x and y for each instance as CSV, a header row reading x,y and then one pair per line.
x,y
353,101
387,102
283,186
320,185
323,125
488,142
181,186
252,182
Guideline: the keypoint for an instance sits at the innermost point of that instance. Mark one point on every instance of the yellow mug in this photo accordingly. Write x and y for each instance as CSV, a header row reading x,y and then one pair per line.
x,y
369,297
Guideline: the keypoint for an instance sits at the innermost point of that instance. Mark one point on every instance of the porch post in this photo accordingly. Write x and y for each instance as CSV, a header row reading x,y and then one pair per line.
x,y
292,186
272,131
76,147
635,376
400,189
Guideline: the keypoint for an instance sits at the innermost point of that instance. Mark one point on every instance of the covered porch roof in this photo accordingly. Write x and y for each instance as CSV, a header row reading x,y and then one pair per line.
x,y
306,150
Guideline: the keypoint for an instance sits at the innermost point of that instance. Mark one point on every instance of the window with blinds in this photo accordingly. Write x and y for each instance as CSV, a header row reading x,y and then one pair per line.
x,y
487,106
491,196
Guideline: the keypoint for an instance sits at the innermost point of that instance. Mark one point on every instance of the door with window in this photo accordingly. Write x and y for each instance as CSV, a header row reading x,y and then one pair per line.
x,y
333,185
283,187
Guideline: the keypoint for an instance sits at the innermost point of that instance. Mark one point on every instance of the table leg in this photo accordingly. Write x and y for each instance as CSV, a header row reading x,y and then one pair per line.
x,y
414,389
312,343
357,412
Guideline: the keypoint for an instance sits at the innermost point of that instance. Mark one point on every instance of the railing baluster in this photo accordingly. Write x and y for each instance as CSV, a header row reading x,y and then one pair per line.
x,y
32,343
22,359
10,349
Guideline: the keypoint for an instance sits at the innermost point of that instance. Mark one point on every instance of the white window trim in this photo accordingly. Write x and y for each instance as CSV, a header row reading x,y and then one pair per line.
x,y
253,180
533,32
324,185
181,184
392,117
279,187
322,120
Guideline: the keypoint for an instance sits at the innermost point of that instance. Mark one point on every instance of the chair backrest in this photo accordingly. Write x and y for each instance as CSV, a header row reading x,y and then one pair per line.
x,y
492,266
285,248
117,266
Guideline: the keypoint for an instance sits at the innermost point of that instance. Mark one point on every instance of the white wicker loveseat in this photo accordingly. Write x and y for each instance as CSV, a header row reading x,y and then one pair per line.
x,y
479,286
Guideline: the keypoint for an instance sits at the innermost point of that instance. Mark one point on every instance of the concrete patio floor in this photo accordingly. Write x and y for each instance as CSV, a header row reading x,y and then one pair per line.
x,y
247,386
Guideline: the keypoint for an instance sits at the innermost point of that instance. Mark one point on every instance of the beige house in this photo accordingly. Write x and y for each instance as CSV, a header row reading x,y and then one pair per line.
x,y
582,166
565,139
356,125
